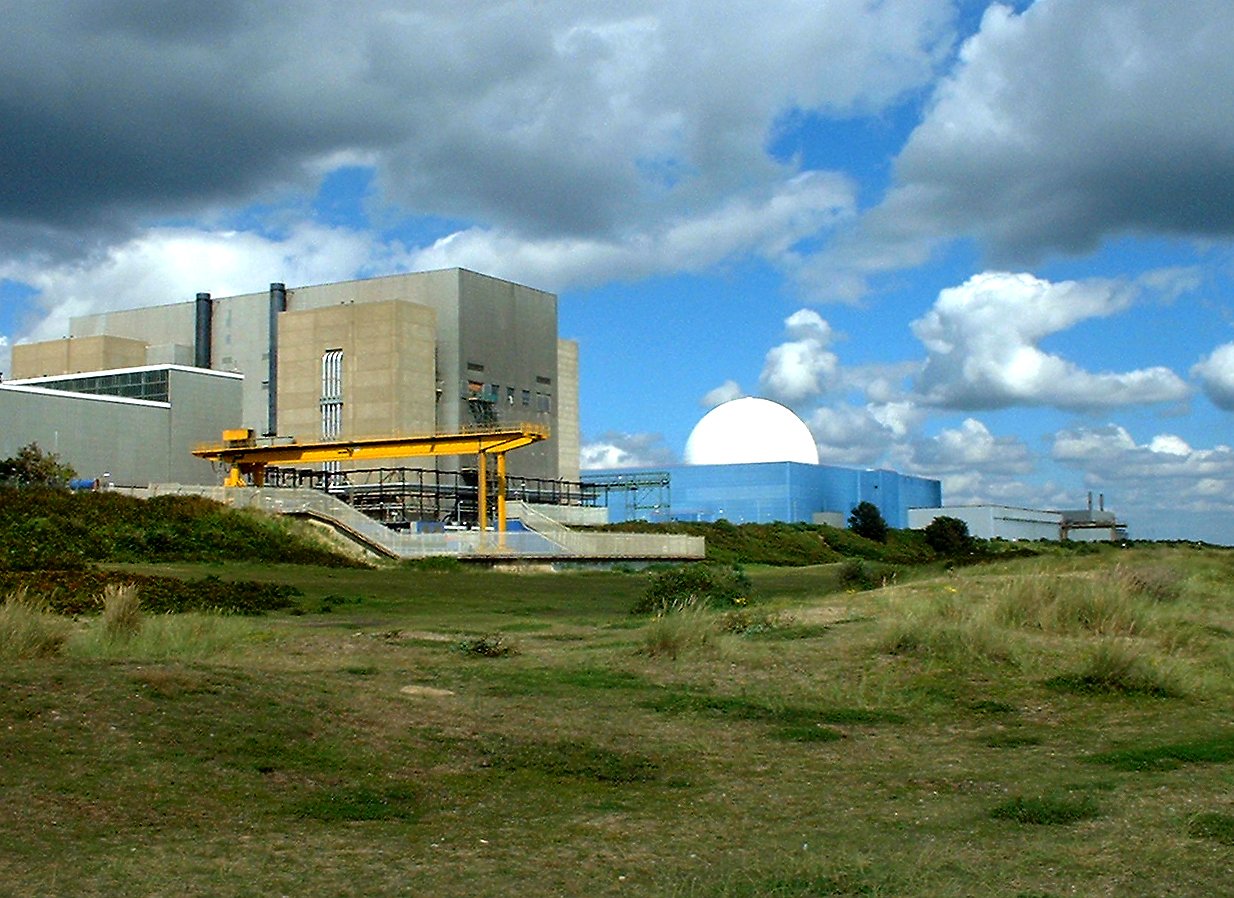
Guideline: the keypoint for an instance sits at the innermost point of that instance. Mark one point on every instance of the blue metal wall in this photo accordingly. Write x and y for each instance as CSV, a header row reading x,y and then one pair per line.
x,y
782,491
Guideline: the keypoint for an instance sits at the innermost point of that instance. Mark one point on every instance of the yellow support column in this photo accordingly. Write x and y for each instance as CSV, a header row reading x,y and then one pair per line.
x,y
501,496
482,484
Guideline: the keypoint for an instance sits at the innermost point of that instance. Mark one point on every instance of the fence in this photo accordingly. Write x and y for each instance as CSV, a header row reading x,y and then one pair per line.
x,y
545,537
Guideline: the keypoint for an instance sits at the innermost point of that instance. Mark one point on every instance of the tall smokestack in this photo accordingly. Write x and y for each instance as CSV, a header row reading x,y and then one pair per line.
x,y
278,303
204,319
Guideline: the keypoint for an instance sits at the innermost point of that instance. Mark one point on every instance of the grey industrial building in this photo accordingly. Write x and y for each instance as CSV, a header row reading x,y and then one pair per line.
x,y
409,354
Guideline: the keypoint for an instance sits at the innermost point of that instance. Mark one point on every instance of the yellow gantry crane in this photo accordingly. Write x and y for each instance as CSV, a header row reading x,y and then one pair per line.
x,y
248,460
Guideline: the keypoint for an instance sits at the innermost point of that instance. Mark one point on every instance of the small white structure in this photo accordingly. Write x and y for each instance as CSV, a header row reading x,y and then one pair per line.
x,y
994,521
1009,522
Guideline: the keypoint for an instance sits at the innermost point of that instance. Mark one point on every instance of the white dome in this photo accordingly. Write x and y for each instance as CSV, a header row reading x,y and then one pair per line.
x,y
750,430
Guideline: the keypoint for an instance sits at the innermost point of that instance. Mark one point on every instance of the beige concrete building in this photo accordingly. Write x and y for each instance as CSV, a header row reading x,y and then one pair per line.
x,y
426,352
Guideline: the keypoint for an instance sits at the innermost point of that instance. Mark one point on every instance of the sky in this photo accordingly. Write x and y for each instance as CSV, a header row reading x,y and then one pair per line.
x,y
987,243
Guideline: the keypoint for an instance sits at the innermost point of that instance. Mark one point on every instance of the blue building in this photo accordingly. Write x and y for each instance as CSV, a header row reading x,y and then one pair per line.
x,y
759,492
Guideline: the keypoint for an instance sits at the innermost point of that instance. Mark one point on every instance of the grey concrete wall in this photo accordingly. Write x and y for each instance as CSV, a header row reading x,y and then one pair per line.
x,y
133,441
96,435
512,331
203,405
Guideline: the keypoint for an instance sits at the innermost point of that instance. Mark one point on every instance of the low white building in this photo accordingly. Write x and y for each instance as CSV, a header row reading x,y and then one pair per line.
x,y
1011,523
994,521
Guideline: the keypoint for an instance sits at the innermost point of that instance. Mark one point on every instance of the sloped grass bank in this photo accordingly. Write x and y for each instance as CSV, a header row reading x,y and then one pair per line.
x,y
360,752
43,529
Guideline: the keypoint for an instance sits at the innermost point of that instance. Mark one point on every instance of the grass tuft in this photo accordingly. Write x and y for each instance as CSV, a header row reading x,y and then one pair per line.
x,y
28,629
684,629
1116,668
397,801
1212,750
1046,810
163,637
570,759
1212,825
121,611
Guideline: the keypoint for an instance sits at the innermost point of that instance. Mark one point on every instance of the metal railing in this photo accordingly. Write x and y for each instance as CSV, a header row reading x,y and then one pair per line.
x,y
546,538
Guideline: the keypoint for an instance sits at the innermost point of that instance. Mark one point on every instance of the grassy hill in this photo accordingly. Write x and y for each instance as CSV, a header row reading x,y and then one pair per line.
x,y
1035,726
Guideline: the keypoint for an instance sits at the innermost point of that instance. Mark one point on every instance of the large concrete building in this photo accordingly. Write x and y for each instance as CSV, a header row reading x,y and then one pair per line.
x,y
410,354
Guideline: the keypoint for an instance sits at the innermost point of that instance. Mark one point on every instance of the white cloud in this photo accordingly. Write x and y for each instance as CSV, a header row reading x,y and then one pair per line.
x,y
1216,376
766,222
850,435
173,264
1110,453
626,450
804,367
726,392
1158,487
981,339
1059,127
970,448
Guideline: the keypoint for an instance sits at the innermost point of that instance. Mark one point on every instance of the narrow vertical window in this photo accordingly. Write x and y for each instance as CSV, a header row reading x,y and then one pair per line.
x,y
332,397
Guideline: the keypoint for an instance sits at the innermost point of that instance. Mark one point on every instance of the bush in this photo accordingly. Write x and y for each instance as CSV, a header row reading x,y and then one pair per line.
x,y
493,645
866,520
33,467
857,574
78,591
948,536
690,585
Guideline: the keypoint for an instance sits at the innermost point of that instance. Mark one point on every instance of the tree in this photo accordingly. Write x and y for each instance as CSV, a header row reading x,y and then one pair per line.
x,y
866,520
948,536
31,466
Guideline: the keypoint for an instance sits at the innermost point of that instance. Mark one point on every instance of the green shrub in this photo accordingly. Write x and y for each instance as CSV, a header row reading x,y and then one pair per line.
x,y
74,592
867,521
948,536
857,574
492,645
690,585
43,529
442,564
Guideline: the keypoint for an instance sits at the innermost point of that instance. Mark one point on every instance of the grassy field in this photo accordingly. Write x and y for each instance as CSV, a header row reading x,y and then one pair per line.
x,y
1035,727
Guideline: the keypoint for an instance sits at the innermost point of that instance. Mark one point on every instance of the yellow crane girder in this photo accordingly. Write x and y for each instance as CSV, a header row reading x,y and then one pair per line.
x,y
248,460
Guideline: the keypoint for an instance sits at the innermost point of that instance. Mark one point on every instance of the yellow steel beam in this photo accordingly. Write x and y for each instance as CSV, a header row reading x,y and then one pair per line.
x,y
372,448
248,459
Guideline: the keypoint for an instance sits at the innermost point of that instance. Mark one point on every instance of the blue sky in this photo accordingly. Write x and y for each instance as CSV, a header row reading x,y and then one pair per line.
x,y
989,243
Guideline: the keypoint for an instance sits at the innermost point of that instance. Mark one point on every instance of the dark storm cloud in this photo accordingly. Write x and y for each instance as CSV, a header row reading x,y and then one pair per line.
x,y
1071,123
551,118
103,113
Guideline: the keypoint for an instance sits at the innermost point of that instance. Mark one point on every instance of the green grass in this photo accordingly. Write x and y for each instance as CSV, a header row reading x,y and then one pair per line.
x,y
1046,810
360,752
1213,749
